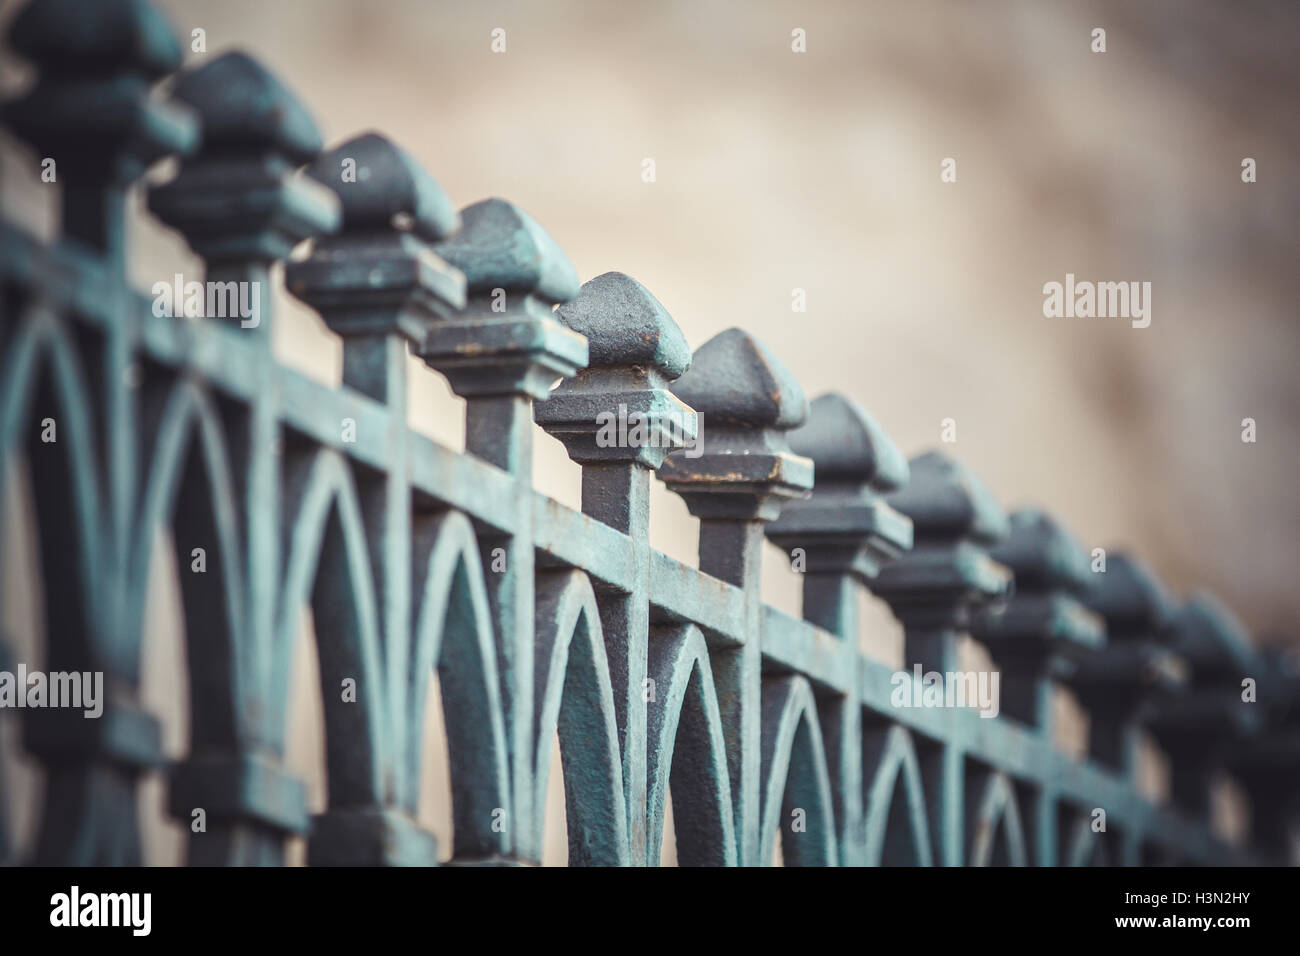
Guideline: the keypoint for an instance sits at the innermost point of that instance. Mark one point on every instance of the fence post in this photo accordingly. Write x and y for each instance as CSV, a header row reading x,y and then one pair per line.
x,y
379,286
936,590
1038,637
1119,683
239,206
1200,727
840,538
746,401
91,112
618,420
501,353
1268,766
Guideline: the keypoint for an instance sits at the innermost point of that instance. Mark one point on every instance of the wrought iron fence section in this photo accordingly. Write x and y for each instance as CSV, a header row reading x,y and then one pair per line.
x,y
537,619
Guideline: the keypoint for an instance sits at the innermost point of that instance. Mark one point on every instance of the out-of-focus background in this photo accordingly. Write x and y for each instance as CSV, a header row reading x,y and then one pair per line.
x,y
819,171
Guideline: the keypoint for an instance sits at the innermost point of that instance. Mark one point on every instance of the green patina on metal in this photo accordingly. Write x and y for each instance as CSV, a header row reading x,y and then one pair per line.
x,y
654,675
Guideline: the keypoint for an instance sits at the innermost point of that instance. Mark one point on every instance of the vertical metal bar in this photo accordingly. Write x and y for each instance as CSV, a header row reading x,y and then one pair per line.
x,y
499,429
515,274
936,591
635,349
732,552
937,650
840,538
92,113
831,602
240,209
379,285
742,475
618,494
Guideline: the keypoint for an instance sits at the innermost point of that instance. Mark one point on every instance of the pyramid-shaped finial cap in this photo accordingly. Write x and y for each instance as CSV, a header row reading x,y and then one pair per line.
x,y
500,246
91,108
1130,596
386,189
243,106
107,36
1042,553
1045,627
746,401
845,442
625,325
944,499
1212,639
734,378
845,526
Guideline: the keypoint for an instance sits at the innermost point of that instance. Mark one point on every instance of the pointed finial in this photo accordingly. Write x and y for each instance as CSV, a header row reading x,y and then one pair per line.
x,y
379,275
948,574
1044,630
91,110
1219,656
1212,639
381,187
945,500
255,133
1043,554
106,36
619,408
845,526
847,443
506,341
245,107
626,326
746,401
1132,599
736,380
502,247
1137,667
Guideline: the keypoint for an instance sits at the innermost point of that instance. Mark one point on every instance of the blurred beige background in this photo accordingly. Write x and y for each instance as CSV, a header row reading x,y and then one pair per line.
x,y
819,171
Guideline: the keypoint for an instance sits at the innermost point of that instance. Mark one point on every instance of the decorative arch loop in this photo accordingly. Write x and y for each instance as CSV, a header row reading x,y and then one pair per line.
x,y
687,750
574,697
328,565
453,632
41,354
87,818
995,814
189,486
795,777
1087,847
895,827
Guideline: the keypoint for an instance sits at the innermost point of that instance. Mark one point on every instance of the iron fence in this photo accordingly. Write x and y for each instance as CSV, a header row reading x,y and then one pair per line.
x,y
537,620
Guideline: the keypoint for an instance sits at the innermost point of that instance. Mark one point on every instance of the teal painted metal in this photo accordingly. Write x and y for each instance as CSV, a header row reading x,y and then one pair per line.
x,y
654,675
